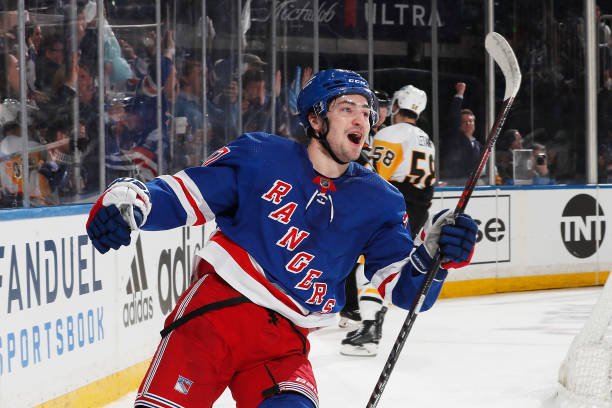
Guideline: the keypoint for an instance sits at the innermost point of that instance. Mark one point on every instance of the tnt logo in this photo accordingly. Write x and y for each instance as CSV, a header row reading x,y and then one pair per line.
x,y
583,226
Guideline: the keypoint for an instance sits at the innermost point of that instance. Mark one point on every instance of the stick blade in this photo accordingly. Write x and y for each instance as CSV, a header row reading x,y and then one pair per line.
x,y
499,49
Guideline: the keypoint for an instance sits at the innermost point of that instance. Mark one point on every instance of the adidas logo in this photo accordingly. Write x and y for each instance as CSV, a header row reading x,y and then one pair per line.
x,y
140,307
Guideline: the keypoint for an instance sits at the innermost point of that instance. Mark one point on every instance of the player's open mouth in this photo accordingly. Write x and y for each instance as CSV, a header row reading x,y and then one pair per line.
x,y
355,137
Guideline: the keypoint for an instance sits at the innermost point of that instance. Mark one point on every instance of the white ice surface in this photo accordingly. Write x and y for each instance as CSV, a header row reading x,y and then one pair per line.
x,y
496,351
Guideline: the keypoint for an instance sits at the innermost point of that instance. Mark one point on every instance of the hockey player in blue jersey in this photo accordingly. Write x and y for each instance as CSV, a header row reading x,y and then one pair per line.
x,y
291,223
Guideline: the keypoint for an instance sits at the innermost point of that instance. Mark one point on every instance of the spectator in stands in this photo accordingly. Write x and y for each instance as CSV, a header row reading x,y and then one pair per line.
x,y
9,76
62,99
509,141
116,67
225,97
254,110
541,172
50,63
129,53
87,92
33,42
188,117
256,104
59,167
189,100
126,134
59,111
605,51
11,161
9,90
33,37
133,136
461,150
144,54
169,87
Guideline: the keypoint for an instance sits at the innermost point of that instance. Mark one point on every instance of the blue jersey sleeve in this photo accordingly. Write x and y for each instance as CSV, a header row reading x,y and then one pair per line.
x,y
389,267
199,194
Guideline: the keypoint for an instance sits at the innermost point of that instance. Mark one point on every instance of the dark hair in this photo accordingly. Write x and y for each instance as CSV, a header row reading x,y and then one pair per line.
x,y
382,96
506,139
408,113
5,91
62,123
49,41
29,29
252,75
187,68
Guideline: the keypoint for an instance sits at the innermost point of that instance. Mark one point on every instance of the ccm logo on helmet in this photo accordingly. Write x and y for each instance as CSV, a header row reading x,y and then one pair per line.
x,y
358,81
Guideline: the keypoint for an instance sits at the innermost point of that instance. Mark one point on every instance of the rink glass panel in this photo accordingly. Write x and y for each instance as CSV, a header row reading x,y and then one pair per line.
x,y
548,39
238,66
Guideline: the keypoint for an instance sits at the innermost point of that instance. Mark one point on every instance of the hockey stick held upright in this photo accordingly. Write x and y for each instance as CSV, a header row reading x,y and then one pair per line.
x,y
503,55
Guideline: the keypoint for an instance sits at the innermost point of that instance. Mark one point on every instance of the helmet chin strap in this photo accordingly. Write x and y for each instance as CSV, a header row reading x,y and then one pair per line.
x,y
322,138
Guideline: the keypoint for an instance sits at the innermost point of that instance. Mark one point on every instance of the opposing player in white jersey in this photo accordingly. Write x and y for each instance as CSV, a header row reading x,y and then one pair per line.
x,y
291,222
404,155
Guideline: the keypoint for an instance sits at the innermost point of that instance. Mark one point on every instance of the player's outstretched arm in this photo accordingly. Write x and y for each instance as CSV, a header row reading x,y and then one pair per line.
x,y
122,208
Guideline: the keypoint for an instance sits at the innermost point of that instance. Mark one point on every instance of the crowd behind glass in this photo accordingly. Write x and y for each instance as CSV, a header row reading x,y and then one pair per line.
x,y
242,94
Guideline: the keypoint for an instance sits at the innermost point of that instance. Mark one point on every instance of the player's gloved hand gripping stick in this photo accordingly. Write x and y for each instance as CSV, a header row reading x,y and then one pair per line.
x,y
449,238
499,49
122,208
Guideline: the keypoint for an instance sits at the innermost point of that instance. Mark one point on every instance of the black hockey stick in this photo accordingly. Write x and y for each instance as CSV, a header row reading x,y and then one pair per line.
x,y
499,49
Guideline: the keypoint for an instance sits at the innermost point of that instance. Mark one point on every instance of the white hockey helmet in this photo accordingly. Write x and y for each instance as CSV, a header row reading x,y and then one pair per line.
x,y
410,98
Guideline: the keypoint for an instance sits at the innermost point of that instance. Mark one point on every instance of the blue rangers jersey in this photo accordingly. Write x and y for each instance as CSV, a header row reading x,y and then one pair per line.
x,y
287,236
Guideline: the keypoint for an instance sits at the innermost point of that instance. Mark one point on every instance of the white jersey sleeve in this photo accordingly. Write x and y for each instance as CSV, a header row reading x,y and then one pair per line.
x,y
404,153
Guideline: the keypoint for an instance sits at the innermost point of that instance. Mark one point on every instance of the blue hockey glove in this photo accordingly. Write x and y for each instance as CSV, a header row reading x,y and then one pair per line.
x,y
454,238
457,242
122,208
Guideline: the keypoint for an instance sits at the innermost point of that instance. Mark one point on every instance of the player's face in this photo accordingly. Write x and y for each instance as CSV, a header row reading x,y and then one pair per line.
x,y
349,124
